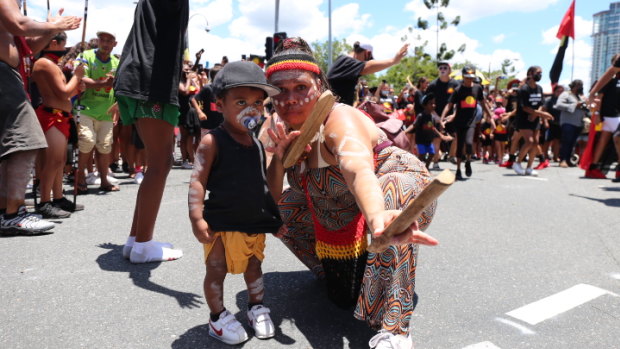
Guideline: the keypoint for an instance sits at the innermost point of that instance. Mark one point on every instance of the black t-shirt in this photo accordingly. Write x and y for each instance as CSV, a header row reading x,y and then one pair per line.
x,y
549,107
150,66
239,199
206,101
465,100
343,76
424,129
610,104
418,102
529,97
442,91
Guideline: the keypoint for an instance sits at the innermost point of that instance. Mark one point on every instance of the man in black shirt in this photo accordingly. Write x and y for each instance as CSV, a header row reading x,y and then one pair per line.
x,y
465,100
346,70
553,136
442,88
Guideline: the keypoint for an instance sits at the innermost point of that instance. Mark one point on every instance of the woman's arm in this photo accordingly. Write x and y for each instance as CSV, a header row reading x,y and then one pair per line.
x,y
377,65
350,137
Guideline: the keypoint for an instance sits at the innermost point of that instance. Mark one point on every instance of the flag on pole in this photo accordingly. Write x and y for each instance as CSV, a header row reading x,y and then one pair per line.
x,y
566,30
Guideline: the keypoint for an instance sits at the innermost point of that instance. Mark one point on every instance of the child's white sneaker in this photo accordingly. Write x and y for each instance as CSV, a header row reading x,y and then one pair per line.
x,y
228,329
259,319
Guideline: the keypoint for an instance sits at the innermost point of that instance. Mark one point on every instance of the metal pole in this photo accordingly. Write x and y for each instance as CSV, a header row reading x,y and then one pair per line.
x,y
277,14
329,40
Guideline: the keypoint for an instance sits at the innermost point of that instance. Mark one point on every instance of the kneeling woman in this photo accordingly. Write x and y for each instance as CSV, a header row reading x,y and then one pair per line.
x,y
352,182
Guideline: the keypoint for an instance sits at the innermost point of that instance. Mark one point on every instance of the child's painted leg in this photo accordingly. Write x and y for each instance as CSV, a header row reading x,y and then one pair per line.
x,y
214,279
258,315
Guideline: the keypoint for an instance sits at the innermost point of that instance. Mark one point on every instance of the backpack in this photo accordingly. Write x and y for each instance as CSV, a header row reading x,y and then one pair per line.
x,y
389,123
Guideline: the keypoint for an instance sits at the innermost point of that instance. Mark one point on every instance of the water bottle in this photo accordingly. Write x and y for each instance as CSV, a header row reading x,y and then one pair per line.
x,y
249,122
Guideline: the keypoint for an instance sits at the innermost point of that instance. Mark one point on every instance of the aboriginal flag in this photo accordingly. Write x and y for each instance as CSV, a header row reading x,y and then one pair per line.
x,y
566,30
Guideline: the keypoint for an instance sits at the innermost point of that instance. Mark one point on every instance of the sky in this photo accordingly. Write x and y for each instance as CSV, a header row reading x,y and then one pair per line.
x,y
493,30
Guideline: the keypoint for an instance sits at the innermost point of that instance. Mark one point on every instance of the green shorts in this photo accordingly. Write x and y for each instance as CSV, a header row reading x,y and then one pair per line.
x,y
132,109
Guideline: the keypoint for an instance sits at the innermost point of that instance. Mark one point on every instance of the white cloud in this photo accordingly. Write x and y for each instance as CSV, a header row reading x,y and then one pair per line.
x,y
498,39
471,11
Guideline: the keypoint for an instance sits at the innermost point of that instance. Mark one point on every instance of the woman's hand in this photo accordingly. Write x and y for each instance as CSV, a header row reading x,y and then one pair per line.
x,y
412,235
401,53
282,140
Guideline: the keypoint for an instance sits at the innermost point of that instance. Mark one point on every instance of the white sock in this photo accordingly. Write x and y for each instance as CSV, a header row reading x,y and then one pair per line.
x,y
132,240
151,251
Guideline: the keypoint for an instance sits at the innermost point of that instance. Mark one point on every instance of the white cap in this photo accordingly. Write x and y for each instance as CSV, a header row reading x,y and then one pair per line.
x,y
106,32
367,47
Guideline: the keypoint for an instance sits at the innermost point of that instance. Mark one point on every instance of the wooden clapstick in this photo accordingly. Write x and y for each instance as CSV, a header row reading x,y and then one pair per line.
x,y
311,126
413,211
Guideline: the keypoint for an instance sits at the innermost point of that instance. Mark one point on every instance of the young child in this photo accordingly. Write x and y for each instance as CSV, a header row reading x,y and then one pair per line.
x,y
425,130
238,211
487,127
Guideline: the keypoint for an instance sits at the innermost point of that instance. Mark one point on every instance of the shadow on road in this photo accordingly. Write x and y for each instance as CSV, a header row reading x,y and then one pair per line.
x,y
609,202
295,299
140,274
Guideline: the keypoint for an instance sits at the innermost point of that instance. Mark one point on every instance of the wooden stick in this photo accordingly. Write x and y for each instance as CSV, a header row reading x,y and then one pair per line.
x,y
413,211
311,126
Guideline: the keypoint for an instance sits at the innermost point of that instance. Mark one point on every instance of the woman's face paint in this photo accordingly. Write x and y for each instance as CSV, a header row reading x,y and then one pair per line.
x,y
299,94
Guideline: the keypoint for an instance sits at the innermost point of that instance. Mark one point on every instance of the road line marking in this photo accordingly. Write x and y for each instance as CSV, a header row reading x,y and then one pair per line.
x,y
615,276
482,345
535,178
558,303
523,329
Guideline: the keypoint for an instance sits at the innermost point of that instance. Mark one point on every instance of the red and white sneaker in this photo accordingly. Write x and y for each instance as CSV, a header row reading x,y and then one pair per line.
x,y
595,174
259,319
542,165
508,164
228,329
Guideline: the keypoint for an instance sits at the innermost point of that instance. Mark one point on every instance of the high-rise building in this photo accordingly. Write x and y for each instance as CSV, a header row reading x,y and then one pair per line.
x,y
605,39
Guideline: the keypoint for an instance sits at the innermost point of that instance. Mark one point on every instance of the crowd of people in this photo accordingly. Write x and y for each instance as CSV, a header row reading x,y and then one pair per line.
x,y
120,113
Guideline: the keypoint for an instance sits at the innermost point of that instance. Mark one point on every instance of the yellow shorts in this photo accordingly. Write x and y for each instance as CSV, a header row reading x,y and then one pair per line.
x,y
239,248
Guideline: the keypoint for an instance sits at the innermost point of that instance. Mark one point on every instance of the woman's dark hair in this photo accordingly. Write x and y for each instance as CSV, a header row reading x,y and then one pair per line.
x,y
357,48
421,81
576,82
532,69
297,45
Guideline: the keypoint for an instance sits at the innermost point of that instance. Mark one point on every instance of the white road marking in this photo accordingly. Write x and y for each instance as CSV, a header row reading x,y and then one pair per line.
x,y
615,276
535,178
523,329
482,345
558,303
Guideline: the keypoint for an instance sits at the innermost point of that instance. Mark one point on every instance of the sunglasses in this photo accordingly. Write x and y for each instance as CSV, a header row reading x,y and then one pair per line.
x,y
443,67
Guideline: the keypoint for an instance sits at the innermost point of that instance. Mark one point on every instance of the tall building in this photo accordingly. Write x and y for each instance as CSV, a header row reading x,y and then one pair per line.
x,y
605,39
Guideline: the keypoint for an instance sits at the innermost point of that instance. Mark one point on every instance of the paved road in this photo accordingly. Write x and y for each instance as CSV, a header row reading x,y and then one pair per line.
x,y
522,263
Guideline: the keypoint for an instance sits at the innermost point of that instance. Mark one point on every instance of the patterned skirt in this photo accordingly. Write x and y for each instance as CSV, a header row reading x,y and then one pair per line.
x,y
379,285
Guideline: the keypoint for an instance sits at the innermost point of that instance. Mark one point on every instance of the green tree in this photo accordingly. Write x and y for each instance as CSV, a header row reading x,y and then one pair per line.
x,y
320,50
443,53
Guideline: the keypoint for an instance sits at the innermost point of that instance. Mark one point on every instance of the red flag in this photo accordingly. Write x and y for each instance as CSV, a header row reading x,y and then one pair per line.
x,y
567,27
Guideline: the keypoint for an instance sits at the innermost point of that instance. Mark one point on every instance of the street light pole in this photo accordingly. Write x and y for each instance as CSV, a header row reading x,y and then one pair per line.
x,y
329,40
277,14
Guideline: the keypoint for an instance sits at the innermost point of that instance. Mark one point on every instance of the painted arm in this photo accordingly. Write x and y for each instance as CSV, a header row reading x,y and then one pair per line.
x,y
20,25
205,155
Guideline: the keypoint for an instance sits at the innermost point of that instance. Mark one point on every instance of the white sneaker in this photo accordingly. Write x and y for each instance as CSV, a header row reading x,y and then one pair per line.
x,y
112,180
186,165
228,329
387,340
93,179
531,172
518,169
26,222
138,178
259,319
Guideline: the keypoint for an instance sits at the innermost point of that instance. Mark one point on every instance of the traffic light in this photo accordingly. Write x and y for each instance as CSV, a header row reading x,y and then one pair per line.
x,y
268,47
278,38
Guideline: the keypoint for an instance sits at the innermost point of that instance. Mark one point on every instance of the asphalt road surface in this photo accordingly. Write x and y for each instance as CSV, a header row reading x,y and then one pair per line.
x,y
523,262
